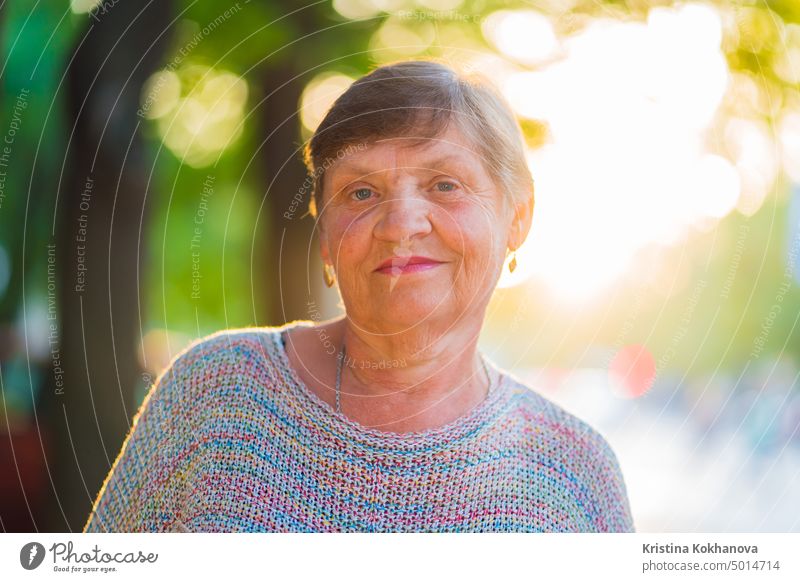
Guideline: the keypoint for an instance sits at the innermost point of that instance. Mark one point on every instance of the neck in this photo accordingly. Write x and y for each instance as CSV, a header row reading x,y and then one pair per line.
x,y
411,381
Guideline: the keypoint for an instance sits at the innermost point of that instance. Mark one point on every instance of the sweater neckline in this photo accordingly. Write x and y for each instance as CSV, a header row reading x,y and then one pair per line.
x,y
473,421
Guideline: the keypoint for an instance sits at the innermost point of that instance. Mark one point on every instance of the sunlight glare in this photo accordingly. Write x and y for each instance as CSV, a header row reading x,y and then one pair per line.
x,y
523,35
627,164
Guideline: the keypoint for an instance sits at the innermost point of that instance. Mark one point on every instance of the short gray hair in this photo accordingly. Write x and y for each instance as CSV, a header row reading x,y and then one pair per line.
x,y
418,99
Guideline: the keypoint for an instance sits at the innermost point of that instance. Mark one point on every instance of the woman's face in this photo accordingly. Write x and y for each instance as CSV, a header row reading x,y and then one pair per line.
x,y
416,233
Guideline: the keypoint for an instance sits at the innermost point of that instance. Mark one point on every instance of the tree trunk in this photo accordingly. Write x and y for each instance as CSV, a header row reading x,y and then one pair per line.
x,y
102,221
290,260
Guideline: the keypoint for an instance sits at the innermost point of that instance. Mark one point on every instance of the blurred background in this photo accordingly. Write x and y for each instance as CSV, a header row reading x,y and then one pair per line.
x,y
151,192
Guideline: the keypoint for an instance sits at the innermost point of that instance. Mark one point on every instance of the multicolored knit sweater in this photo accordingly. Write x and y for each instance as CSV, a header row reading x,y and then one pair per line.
x,y
230,439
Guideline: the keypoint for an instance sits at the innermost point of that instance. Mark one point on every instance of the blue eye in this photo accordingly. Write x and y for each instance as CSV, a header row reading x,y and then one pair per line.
x,y
361,193
448,186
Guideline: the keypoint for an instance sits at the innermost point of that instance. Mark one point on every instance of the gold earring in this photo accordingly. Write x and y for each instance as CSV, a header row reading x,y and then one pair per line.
x,y
327,274
513,262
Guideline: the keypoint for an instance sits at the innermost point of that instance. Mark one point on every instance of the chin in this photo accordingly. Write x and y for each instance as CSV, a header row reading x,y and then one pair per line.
x,y
405,309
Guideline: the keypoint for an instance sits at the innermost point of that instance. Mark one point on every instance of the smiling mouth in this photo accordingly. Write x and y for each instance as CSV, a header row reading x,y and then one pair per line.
x,y
407,265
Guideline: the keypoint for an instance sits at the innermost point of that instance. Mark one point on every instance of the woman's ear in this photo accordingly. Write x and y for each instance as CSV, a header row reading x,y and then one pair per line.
x,y
521,221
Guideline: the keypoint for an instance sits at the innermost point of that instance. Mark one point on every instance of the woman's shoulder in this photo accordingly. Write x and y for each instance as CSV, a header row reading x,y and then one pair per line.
x,y
231,341
547,421
221,347
561,440
228,352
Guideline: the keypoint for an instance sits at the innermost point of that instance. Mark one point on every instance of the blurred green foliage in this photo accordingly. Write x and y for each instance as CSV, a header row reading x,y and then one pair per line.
x,y
251,42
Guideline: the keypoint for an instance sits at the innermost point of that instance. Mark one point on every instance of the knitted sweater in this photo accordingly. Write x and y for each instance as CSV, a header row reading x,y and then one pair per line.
x,y
229,439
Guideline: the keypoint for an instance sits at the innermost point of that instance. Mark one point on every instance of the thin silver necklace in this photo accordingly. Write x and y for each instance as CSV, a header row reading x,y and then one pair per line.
x,y
343,353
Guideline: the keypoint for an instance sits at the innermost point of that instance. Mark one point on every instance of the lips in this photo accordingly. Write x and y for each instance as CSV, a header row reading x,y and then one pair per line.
x,y
403,265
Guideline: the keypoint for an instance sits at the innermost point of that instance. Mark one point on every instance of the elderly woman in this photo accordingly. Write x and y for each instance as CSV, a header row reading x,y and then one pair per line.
x,y
388,418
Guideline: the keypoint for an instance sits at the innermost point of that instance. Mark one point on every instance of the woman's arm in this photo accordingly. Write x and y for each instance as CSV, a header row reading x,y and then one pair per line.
x,y
611,494
142,487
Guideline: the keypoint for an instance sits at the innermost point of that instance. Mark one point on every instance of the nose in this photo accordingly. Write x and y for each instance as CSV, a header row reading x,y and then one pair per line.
x,y
402,217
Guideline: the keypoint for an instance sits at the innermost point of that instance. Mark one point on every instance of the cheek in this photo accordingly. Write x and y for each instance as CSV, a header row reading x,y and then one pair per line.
x,y
473,232
349,240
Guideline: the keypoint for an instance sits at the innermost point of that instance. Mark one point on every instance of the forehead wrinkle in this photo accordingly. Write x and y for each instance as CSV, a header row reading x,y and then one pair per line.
x,y
360,169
